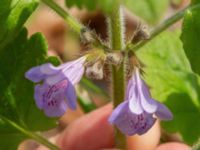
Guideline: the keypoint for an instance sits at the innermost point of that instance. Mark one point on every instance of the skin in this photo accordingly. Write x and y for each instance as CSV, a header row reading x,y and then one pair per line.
x,y
93,132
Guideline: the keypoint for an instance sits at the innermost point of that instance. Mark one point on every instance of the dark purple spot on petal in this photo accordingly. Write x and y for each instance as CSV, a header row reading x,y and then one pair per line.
x,y
52,95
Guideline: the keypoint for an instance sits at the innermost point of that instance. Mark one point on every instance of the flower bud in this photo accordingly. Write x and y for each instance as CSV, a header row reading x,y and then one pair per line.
x,y
86,36
140,34
114,58
95,71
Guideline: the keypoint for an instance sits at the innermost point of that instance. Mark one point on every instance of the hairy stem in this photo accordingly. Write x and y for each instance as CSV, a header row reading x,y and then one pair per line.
x,y
76,26
162,27
72,22
118,74
30,134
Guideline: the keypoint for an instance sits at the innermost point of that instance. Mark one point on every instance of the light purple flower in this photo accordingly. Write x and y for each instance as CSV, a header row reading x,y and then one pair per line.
x,y
55,92
136,114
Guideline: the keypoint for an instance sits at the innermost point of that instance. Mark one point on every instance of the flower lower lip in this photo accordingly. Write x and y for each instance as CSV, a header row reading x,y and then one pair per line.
x,y
135,115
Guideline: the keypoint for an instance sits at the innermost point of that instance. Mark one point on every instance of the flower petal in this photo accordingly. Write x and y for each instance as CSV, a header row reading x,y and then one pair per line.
x,y
133,94
68,64
117,112
124,119
74,73
49,69
51,80
131,88
147,124
135,105
148,104
38,73
38,94
34,74
70,94
163,112
57,110
74,70
55,103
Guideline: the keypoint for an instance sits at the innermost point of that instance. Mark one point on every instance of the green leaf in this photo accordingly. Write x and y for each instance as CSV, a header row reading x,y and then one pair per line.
x,y
193,2
104,5
54,60
92,87
9,137
186,118
17,55
85,100
85,105
168,73
13,15
16,92
149,10
190,37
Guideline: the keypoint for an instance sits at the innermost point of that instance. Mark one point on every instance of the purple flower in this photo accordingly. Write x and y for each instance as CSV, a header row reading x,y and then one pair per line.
x,y
55,92
136,114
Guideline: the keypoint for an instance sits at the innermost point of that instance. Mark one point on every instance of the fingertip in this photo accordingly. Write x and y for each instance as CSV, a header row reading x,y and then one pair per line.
x,y
173,146
147,141
91,131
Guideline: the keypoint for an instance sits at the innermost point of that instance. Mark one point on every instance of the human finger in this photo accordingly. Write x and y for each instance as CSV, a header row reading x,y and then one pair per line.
x,y
173,146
